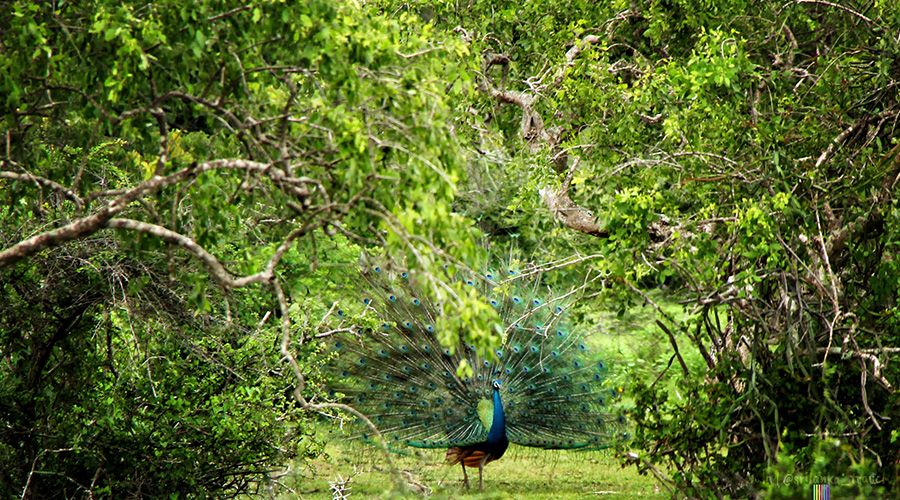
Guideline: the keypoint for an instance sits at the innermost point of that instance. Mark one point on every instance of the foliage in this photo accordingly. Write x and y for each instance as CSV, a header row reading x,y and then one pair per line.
x,y
739,155
157,160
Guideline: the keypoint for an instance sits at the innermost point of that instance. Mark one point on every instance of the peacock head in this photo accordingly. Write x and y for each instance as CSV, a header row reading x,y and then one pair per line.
x,y
496,384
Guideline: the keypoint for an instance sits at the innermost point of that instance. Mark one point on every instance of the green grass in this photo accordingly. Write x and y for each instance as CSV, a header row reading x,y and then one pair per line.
x,y
634,347
521,473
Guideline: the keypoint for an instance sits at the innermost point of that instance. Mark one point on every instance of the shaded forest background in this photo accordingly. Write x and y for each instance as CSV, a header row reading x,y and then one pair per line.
x,y
186,189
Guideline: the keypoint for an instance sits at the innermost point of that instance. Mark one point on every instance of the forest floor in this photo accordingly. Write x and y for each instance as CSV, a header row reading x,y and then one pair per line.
x,y
521,473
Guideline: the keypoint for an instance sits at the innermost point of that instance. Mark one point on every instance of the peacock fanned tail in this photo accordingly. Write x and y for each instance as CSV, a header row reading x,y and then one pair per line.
x,y
553,388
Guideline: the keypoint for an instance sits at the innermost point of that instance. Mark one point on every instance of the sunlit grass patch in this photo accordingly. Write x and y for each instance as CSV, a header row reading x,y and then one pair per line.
x,y
521,473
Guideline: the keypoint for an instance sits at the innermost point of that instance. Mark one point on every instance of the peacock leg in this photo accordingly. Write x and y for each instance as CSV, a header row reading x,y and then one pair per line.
x,y
465,476
480,470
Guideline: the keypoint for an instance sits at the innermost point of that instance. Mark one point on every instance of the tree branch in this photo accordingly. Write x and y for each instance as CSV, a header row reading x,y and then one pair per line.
x,y
23,176
85,226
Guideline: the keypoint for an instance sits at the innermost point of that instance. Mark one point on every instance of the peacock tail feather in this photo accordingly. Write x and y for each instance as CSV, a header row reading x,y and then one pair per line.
x,y
552,386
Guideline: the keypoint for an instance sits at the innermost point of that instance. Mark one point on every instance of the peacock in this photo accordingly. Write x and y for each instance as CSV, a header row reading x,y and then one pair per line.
x,y
541,388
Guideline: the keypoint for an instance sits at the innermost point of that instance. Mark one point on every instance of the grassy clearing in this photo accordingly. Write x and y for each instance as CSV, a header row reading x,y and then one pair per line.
x,y
521,473
634,347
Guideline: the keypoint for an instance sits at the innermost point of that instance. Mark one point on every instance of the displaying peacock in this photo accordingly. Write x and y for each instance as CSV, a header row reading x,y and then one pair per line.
x,y
542,388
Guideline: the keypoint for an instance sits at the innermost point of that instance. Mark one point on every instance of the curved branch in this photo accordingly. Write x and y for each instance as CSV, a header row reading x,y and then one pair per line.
x,y
43,181
225,278
534,132
90,224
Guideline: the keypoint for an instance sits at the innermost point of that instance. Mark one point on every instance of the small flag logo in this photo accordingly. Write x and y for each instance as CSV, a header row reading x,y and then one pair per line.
x,y
821,492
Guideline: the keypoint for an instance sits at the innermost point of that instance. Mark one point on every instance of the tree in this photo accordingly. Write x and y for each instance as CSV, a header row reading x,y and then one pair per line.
x,y
149,150
742,156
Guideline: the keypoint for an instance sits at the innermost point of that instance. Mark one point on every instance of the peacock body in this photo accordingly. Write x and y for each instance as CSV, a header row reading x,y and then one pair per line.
x,y
542,388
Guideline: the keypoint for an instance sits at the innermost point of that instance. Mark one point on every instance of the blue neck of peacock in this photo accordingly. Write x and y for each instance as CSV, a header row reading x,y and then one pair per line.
x,y
497,433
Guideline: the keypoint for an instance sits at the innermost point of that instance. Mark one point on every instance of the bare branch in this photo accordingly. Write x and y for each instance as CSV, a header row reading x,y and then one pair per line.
x,y
90,224
22,176
837,6
215,267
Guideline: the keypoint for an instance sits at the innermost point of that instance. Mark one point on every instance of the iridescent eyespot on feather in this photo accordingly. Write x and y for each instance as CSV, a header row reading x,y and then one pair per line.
x,y
392,298
494,302
560,333
534,348
516,300
470,282
536,302
430,328
367,301
499,353
489,276
408,325
385,326
511,272
558,309
416,302
404,275
582,347
340,313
